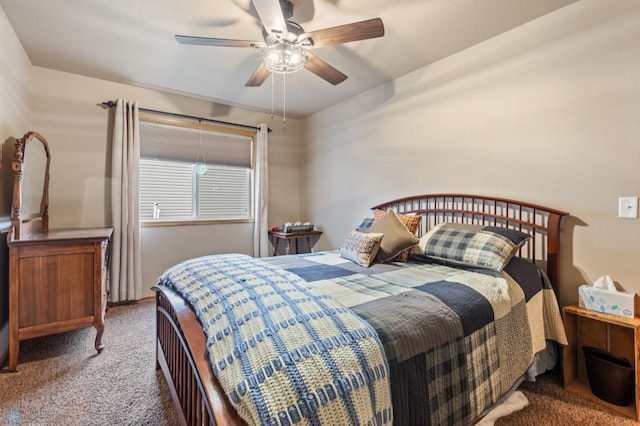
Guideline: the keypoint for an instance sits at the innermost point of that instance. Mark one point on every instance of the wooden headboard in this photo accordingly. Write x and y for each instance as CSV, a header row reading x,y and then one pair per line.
x,y
542,223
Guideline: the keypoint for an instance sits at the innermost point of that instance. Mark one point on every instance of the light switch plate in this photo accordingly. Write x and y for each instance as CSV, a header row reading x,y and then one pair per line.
x,y
628,207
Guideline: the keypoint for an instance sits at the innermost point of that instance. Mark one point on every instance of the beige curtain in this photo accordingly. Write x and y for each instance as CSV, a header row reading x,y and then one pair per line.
x,y
261,185
126,272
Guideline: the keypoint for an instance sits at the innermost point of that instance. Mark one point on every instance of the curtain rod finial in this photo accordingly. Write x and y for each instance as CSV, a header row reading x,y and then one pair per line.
x,y
107,104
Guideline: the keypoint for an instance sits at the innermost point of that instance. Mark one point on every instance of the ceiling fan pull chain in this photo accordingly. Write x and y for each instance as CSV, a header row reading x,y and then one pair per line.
x,y
284,99
273,77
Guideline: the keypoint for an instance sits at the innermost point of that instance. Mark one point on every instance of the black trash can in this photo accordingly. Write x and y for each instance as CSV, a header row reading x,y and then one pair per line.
x,y
611,377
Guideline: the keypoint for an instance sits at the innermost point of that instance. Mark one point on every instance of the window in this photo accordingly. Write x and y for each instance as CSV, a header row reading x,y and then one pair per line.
x,y
172,190
170,187
223,193
166,189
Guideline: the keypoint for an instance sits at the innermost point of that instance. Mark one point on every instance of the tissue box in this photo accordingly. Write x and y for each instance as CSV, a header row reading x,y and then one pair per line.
x,y
607,301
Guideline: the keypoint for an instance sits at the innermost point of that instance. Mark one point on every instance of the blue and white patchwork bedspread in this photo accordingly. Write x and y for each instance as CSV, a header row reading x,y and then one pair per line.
x,y
455,340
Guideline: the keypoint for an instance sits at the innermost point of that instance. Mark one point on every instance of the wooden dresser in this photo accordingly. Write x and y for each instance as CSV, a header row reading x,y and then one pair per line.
x,y
57,283
57,278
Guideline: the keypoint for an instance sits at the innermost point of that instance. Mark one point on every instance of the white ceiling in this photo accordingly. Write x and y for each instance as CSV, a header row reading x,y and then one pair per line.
x,y
132,42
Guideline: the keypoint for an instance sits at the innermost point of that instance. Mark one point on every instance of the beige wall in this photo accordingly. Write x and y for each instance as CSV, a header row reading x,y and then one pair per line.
x,y
547,113
15,118
15,107
65,112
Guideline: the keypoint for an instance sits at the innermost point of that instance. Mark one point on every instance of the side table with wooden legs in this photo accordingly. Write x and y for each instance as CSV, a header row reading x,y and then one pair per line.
x,y
310,236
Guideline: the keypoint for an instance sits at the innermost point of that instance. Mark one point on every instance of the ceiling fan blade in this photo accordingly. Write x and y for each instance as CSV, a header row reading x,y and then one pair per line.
x,y
324,70
271,16
258,77
362,30
223,42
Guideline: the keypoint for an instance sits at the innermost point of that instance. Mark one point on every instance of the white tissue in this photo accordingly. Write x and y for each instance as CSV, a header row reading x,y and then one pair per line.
x,y
605,283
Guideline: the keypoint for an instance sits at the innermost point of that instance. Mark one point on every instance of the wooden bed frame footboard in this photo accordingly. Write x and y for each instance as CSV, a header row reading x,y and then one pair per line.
x,y
181,343
181,354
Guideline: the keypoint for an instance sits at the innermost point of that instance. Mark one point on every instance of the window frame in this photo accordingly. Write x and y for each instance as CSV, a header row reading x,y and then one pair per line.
x,y
202,124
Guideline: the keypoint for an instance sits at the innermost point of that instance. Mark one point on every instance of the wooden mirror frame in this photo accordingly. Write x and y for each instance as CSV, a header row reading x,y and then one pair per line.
x,y
31,221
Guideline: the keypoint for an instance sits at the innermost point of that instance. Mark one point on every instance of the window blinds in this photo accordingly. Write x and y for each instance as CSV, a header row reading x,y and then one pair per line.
x,y
161,141
170,189
169,186
223,193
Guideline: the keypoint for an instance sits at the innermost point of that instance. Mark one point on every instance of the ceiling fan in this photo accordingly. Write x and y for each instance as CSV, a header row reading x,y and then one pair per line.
x,y
286,45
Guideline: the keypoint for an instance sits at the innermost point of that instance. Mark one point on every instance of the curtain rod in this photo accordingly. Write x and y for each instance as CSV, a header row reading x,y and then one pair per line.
x,y
112,104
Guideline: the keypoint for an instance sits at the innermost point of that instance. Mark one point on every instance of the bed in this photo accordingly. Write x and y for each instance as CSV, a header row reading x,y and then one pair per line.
x,y
433,340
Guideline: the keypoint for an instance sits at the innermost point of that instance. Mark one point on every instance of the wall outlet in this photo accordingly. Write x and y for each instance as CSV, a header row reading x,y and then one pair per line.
x,y
628,207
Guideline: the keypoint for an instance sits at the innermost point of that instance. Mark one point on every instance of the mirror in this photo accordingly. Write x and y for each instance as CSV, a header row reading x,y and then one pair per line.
x,y
29,211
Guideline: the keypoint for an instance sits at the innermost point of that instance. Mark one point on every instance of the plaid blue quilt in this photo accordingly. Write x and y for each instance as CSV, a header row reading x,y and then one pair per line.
x,y
456,339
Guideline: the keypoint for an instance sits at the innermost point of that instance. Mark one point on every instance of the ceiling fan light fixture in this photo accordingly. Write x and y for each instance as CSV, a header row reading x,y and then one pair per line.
x,y
284,58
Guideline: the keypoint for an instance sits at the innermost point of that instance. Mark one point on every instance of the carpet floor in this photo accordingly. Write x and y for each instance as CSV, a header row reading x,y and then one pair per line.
x,y
550,404
61,380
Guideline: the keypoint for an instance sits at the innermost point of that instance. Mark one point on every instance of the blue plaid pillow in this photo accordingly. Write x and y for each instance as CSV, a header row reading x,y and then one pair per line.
x,y
477,246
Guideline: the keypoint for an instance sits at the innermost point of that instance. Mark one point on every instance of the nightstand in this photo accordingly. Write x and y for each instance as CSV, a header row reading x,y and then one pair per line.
x,y
276,236
617,334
